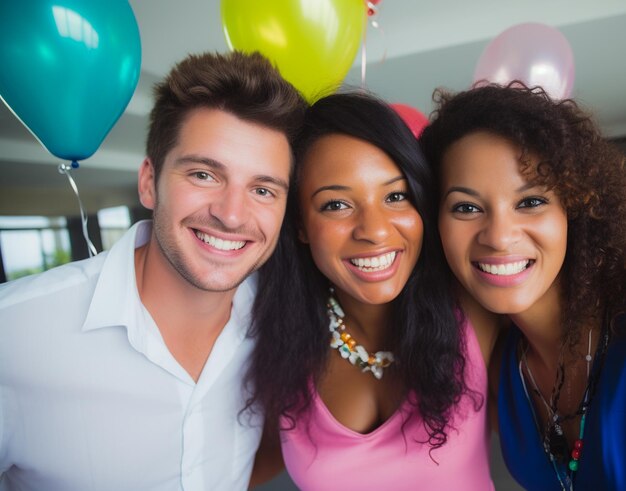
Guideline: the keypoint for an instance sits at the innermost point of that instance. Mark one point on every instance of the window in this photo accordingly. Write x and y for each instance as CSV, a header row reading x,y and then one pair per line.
x,y
113,223
33,244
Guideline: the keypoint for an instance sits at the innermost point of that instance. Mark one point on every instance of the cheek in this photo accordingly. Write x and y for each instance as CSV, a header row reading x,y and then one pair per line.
x,y
452,239
321,238
554,237
269,219
455,241
324,259
183,198
325,240
444,228
412,228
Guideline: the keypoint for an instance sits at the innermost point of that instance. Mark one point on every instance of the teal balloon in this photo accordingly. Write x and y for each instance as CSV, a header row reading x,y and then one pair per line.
x,y
68,69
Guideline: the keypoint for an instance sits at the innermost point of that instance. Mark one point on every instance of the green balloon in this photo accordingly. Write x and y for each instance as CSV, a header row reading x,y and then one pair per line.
x,y
312,42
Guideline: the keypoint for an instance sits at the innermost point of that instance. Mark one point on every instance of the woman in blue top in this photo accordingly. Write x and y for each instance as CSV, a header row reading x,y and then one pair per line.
x,y
533,222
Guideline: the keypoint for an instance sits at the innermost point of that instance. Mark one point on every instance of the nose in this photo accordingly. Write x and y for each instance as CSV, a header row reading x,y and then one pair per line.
x,y
372,225
500,231
230,207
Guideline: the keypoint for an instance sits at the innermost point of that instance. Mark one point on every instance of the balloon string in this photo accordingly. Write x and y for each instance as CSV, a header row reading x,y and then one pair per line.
x,y
370,11
382,32
66,169
364,48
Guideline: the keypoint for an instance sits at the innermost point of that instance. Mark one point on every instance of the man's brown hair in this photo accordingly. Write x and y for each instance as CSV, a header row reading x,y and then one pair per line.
x,y
246,85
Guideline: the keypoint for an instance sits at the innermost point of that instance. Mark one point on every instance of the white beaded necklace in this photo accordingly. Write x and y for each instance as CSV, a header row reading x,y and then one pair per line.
x,y
348,347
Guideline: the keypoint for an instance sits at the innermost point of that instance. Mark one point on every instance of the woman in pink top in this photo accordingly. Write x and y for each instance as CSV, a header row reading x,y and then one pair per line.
x,y
365,364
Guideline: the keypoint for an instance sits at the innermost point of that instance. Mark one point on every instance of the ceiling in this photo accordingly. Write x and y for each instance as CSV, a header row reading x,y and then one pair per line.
x,y
417,47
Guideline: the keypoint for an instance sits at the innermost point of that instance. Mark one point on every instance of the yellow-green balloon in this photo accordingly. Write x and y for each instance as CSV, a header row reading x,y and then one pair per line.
x,y
312,42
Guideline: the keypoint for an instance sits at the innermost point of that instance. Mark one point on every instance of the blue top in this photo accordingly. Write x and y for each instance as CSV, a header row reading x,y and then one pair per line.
x,y
602,464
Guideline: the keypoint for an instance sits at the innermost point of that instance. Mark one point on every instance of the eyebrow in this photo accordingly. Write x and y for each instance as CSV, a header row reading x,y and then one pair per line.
x,y
218,166
272,180
461,189
338,187
472,192
213,164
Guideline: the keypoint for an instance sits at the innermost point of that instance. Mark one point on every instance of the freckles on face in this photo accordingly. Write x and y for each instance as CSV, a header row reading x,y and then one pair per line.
x,y
504,237
363,231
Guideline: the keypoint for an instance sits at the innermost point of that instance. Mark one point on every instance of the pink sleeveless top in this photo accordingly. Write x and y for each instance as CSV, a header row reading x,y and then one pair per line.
x,y
325,455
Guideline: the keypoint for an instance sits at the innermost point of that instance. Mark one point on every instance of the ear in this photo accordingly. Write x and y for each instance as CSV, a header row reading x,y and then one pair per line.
x,y
302,236
147,184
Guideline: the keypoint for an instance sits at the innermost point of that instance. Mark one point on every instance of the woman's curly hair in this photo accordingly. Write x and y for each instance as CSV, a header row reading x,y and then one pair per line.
x,y
585,171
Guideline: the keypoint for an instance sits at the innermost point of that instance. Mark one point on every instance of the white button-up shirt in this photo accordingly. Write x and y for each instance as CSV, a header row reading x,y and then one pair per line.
x,y
91,398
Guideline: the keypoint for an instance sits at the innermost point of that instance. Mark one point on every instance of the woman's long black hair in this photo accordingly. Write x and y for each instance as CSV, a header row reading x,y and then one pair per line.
x,y
290,322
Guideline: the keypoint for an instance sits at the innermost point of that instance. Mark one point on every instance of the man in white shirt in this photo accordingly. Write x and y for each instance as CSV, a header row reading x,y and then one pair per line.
x,y
124,371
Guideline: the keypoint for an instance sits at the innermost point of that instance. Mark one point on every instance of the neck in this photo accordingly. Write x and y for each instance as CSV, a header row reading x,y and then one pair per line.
x,y
541,326
544,340
366,321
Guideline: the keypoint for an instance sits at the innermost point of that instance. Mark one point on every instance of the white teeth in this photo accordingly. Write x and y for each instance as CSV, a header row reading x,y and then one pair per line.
x,y
376,263
222,245
504,269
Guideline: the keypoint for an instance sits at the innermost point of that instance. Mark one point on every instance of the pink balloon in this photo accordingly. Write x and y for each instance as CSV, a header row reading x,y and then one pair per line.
x,y
414,119
534,53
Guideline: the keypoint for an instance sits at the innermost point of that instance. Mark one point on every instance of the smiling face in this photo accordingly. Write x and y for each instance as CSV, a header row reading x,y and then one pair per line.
x,y
504,238
365,235
219,200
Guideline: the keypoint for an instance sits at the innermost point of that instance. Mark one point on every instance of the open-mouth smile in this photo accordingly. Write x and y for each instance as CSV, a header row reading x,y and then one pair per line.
x,y
506,269
220,244
374,263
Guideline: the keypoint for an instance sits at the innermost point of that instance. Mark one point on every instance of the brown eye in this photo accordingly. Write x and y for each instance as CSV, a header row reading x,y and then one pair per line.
x,y
532,202
397,197
465,208
334,206
203,176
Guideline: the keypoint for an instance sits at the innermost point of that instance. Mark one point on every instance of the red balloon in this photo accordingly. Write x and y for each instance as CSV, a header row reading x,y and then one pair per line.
x,y
374,2
414,119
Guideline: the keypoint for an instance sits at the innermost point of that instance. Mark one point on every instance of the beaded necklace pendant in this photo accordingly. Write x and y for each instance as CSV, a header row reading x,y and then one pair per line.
x,y
555,441
348,347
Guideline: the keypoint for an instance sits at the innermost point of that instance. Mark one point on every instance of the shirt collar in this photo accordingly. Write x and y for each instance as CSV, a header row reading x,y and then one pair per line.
x,y
116,302
116,297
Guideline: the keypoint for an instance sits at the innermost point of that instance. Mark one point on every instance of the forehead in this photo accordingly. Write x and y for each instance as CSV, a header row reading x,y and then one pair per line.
x,y
483,157
240,145
338,157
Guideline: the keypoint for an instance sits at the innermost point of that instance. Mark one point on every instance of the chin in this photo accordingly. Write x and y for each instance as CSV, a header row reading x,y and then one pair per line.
x,y
378,298
503,307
